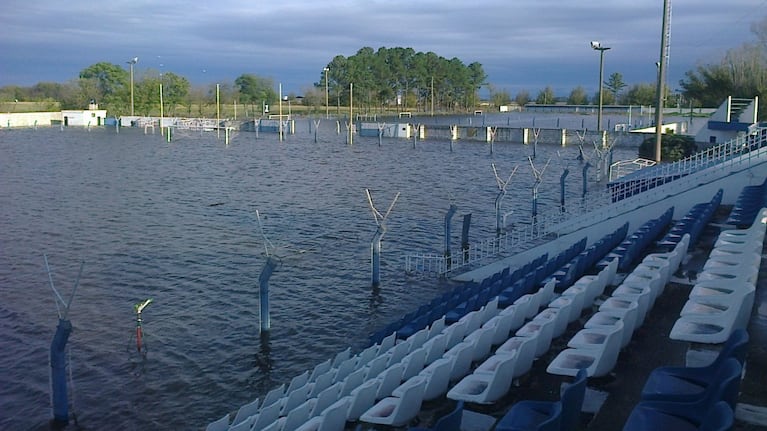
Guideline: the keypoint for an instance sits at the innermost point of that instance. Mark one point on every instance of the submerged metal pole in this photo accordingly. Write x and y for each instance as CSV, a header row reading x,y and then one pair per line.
x,y
498,200
59,394
562,189
465,236
585,176
59,372
375,256
263,281
375,244
448,219
351,110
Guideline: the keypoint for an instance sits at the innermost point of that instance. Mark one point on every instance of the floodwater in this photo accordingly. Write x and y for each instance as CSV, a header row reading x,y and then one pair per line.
x,y
176,222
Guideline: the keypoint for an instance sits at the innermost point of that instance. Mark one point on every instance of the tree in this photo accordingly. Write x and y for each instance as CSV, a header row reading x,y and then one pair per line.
x,y
607,98
673,147
477,77
545,96
522,98
255,90
175,90
379,76
577,96
741,73
499,98
641,94
615,84
106,83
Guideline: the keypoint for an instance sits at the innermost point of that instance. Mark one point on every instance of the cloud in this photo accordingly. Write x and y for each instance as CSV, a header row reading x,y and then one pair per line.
x,y
521,44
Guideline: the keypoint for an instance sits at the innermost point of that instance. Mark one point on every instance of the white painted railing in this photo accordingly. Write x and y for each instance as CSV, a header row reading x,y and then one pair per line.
x,y
625,167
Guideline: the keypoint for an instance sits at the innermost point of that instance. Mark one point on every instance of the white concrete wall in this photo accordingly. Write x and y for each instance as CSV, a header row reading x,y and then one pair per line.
x,y
84,117
29,119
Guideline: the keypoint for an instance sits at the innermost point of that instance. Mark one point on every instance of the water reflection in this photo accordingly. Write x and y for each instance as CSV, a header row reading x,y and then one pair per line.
x,y
263,360
174,222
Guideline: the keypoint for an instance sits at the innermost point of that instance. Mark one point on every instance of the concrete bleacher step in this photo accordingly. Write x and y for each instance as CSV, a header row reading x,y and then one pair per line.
x,y
751,414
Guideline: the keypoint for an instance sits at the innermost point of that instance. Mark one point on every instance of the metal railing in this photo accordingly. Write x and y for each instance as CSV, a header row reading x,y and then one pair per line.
x,y
624,167
739,152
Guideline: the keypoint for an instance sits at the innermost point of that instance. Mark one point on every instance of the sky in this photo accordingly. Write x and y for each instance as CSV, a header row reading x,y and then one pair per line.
x,y
523,45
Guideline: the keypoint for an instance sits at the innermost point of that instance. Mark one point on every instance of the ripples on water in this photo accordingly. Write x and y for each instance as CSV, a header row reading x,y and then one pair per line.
x,y
176,222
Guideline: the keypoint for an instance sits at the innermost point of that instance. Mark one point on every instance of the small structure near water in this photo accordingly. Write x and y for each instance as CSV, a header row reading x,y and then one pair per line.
x,y
93,116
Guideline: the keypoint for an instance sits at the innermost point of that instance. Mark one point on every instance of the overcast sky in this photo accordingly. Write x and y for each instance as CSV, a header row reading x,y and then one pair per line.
x,y
522,44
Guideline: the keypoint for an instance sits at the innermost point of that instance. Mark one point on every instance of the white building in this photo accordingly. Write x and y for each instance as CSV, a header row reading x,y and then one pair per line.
x,y
93,116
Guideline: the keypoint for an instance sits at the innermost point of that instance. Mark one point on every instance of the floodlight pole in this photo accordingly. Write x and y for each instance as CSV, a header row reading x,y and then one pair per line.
x,y
661,81
597,46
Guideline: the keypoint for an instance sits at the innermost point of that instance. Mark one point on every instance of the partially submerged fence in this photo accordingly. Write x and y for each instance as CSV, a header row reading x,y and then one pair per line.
x,y
741,152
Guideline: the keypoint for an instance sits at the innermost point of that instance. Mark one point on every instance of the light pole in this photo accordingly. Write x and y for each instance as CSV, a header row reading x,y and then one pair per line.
x,y
597,46
660,88
327,101
133,61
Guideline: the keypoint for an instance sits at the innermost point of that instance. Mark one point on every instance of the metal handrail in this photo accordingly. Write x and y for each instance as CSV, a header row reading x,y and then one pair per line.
x,y
690,170
624,167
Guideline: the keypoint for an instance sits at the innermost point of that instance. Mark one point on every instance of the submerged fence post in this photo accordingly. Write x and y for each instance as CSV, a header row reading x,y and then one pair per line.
x,y
381,127
59,372
139,308
465,236
538,174
585,178
375,256
263,282
491,132
316,128
59,394
448,219
536,132
499,197
562,189
375,244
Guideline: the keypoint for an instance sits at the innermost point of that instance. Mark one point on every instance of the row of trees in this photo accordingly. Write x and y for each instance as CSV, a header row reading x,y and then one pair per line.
x,y
742,72
387,78
613,93
393,84
398,78
404,78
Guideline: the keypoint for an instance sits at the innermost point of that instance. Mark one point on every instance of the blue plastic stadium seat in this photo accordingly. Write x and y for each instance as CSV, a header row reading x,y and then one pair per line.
x,y
683,380
528,415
